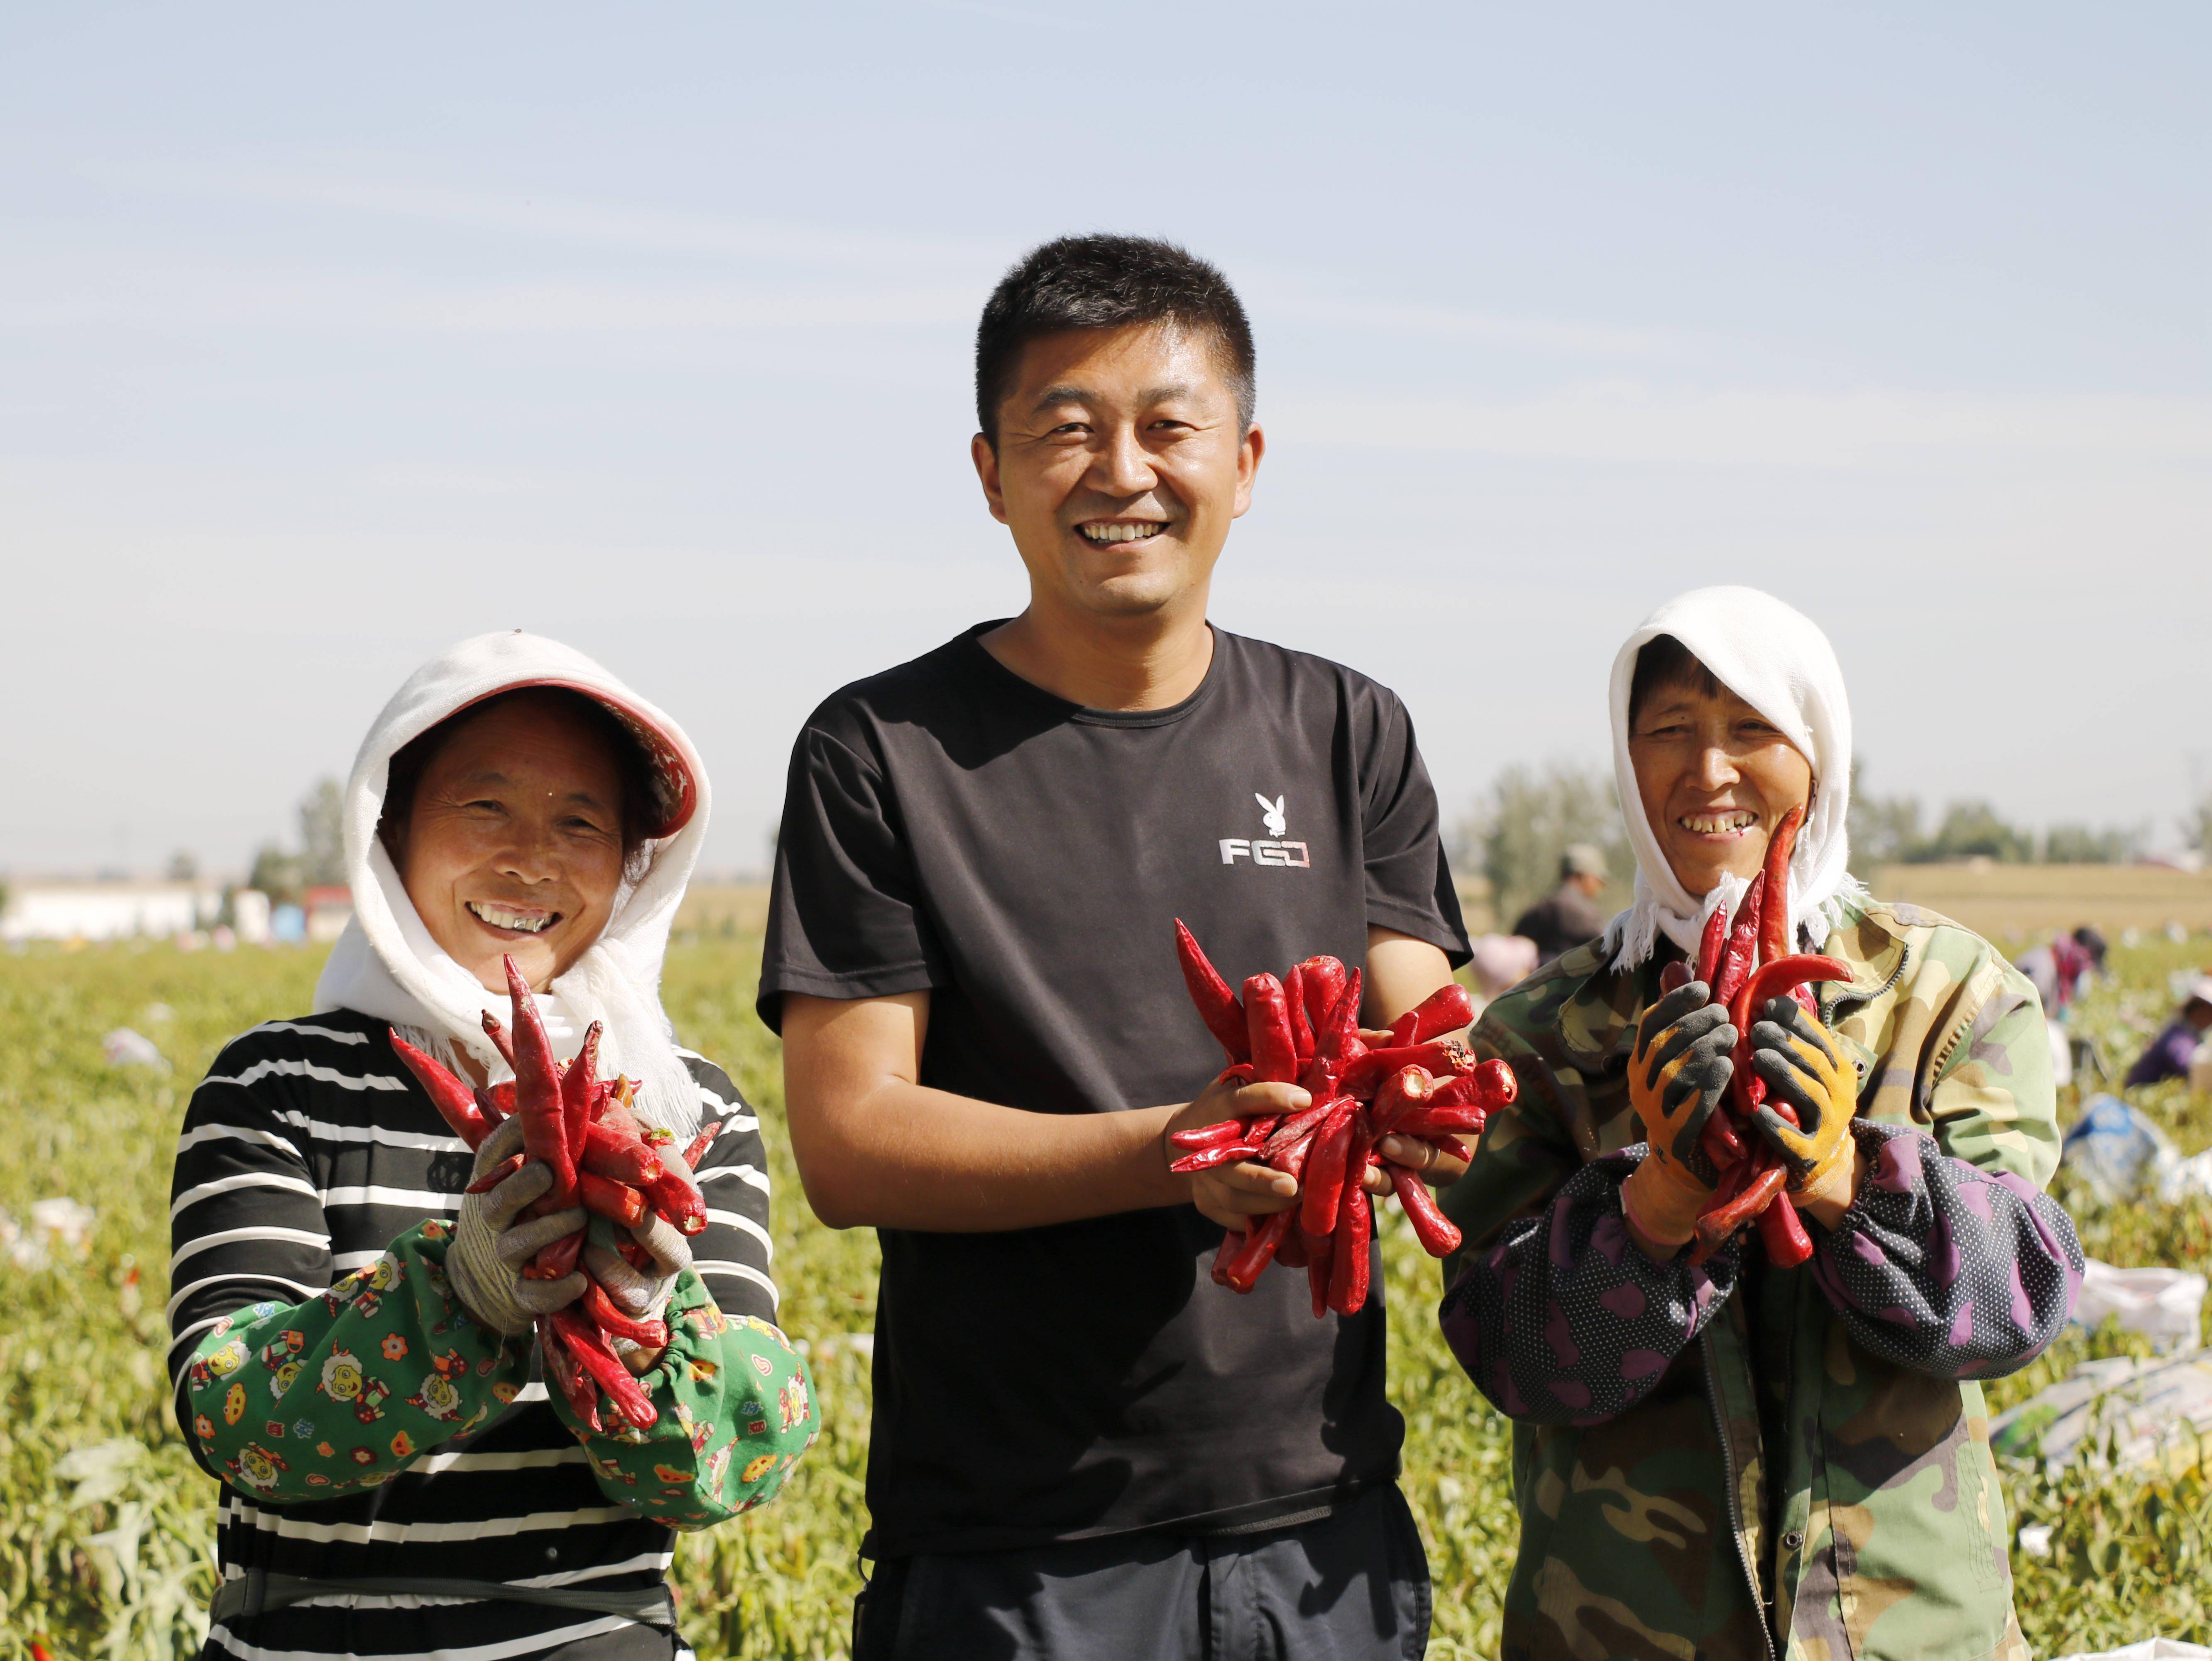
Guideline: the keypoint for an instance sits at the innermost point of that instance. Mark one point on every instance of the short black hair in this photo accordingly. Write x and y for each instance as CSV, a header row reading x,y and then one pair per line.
x,y
1107,283
1665,662
2092,940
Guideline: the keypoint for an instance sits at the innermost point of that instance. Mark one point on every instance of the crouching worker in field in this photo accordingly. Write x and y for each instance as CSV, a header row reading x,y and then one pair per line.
x,y
352,1350
1737,1458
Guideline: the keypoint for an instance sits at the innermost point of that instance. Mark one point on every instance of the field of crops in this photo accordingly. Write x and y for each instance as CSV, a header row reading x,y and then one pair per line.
x,y
108,1522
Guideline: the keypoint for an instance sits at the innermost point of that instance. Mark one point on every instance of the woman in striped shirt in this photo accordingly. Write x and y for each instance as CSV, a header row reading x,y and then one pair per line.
x,y
351,1341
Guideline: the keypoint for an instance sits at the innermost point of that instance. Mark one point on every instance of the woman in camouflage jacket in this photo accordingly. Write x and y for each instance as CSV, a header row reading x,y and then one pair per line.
x,y
1740,1459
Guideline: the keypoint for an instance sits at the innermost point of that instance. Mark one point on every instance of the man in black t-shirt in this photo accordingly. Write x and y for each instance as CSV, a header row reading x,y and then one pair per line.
x,y
1081,1446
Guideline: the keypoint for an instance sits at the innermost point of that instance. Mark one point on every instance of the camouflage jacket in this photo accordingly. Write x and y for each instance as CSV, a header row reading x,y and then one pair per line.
x,y
1782,1490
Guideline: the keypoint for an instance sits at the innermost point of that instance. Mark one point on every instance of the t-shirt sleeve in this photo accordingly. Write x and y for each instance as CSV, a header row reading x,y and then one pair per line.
x,y
1409,883
845,918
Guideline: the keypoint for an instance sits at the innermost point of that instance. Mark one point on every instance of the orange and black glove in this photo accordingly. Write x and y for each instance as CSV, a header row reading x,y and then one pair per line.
x,y
1803,1066
1677,1074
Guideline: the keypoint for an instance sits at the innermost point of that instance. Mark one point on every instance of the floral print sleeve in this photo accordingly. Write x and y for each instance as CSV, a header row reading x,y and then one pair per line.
x,y
304,1400
735,1413
1946,1269
1565,1320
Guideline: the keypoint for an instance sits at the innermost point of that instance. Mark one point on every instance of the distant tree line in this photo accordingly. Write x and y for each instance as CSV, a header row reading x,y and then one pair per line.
x,y
319,860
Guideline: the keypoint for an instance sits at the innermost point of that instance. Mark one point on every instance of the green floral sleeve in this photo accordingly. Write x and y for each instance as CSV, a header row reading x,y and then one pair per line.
x,y
736,1412
305,1401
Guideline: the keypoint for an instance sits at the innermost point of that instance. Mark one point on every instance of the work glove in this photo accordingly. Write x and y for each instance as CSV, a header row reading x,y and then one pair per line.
x,y
1677,1074
1803,1066
484,1263
642,1294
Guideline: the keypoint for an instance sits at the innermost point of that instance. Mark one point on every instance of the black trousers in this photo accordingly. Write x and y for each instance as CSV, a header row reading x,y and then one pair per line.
x,y
1350,1586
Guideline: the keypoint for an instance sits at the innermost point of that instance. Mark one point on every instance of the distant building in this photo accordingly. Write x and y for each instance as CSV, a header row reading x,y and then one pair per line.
x,y
112,910
329,910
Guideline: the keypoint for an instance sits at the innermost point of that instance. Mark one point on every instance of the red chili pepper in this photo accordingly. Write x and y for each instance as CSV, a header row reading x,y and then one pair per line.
x,y
1347,1275
557,1260
1291,1253
1267,1020
1338,1039
1787,1241
1298,1126
1439,1238
1260,1246
1325,1170
1743,949
1771,981
1291,1158
500,1041
576,1093
1710,945
1407,1091
1210,1135
1451,1145
1433,1121
538,1093
498,1174
1294,995
1321,1262
619,1157
608,1317
1721,1221
700,1143
1719,1139
1207,1158
455,1102
638,1257
1217,1005
618,1202
1491,1085
573,1383
1447,1009
1673,978
606,1369
1774,942
1324,979
1438,1057
679,1200
1232,1242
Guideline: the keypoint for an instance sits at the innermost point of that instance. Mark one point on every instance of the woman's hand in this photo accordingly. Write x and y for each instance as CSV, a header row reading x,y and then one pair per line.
x,y
484,1263
1677,1074
1232,1194
1803,1066
641,1294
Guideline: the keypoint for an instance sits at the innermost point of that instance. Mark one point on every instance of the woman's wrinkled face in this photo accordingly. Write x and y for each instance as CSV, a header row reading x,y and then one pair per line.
x,y
514,846
1715,778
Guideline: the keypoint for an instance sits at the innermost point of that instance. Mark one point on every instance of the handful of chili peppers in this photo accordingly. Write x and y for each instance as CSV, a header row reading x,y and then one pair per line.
x,y
1304,1029
1747,961
603,1159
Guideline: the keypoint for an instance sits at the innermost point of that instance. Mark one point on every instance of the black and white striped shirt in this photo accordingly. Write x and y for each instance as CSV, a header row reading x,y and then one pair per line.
x,y
305,1151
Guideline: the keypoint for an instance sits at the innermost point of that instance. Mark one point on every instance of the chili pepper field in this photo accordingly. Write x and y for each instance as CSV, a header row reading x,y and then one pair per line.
x,y
104,1549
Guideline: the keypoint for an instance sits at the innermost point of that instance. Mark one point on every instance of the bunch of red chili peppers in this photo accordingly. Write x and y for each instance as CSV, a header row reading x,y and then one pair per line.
x,y
1747,961
602,1158
1304,1029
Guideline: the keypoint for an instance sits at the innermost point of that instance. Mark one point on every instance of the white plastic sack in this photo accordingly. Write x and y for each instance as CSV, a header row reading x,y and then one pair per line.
x,y
2155,1413
2150,1648
2165,1305
2117,1150
2187,1179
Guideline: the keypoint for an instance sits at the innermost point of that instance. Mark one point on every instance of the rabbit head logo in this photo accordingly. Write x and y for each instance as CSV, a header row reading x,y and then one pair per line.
x,y
1272,849
1271,815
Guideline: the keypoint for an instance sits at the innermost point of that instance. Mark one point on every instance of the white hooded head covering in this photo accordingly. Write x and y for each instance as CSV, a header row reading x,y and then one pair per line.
x,y
386,963
1777,660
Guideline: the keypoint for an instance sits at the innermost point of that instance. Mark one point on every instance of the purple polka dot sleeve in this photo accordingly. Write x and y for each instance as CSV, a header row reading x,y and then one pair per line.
x,y
1946,1269
1565,1320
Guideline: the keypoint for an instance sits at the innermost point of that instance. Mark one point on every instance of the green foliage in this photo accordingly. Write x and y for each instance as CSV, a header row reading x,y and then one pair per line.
x,y
322,835
1518,833
110,1525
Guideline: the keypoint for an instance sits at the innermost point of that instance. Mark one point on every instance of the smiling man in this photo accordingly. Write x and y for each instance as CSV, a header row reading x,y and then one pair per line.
x,y
1082,1446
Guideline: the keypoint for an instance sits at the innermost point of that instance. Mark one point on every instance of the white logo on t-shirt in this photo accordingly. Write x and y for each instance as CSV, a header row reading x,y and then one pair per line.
x,y
1273,851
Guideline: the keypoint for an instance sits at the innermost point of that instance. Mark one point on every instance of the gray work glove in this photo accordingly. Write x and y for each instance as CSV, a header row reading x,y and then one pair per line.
x,y
642,1294
489,1247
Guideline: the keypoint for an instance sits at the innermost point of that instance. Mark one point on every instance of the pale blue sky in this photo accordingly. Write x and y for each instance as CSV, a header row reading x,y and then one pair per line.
x,y
326,339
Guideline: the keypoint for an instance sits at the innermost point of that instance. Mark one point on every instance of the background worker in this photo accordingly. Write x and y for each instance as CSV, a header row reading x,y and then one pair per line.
x,y
1568,917
1081,1446
2171,1055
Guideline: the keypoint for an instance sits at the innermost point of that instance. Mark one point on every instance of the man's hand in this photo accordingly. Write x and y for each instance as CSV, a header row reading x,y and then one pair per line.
x,y
1232,1194
1803,1066
1677,1074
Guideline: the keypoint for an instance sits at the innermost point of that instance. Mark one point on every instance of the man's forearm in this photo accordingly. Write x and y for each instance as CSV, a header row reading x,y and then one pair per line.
x,y
906,1156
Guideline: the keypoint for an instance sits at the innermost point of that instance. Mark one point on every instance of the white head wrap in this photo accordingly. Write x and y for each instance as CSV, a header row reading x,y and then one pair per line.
x,y
1777,660
386,963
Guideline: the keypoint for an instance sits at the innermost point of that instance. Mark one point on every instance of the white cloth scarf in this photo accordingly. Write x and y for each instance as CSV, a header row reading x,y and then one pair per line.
x,y
1777,660
386,963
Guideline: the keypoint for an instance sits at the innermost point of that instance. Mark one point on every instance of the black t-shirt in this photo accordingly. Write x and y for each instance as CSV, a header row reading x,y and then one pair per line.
x,y
950,827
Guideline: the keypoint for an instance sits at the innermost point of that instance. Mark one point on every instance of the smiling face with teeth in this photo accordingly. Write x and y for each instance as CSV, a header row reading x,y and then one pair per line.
x,y
513,844
1120,462
1715,777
